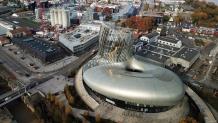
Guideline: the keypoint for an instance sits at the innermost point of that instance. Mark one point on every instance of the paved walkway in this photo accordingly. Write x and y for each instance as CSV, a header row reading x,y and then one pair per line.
x,y
54,85
204,110
83,93
108,111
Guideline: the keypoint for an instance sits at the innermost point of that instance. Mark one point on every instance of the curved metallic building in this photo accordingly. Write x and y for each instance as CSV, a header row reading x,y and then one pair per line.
x,y
117,76
150,85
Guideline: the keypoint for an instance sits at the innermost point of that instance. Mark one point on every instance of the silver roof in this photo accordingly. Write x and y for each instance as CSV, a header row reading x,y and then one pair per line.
x,y
154,85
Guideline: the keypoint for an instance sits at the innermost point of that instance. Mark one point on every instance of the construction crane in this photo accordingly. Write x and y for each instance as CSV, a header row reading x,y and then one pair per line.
x,y
79,10
41,14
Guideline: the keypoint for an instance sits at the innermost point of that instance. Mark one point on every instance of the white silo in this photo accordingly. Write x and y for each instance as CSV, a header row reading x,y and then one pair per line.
x,y
60,16
66,18
52,15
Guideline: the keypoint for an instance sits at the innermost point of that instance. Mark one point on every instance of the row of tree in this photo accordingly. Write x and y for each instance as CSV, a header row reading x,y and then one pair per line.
x,y
52,110
205,14
142,24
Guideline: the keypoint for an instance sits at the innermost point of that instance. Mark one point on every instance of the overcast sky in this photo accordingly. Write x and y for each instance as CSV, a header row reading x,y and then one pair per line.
x,y
215,1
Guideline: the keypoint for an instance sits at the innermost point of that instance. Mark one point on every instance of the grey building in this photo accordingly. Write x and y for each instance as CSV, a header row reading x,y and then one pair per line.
x,y
43,50
168,51
81,38
151,37
185,57
170,41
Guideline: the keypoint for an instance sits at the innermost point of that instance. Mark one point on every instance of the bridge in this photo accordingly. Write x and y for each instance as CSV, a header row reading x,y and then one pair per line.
x,y
24,88
14,94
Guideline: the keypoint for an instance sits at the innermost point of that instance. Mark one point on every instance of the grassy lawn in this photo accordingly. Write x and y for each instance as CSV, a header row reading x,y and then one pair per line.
x,y
29,22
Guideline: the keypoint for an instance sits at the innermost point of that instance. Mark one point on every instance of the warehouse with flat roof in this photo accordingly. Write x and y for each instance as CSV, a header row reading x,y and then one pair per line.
x,y
43,50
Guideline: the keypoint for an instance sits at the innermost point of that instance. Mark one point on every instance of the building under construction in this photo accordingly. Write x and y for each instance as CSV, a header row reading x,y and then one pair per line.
x,y
40,49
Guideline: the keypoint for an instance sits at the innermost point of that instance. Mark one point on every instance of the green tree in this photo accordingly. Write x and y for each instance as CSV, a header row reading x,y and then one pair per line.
x,y
166,18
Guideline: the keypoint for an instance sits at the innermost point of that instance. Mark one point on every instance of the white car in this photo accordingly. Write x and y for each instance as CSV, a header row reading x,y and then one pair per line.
x,y
15,22
7,98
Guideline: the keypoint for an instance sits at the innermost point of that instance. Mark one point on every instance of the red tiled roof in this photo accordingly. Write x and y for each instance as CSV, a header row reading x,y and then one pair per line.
x,y
19,30
4,40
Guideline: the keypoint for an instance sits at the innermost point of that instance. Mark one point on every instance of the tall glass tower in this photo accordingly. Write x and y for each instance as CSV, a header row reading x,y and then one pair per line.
x,y
115,43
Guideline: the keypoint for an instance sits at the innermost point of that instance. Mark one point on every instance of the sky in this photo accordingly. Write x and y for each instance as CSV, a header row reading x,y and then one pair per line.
x,y
215,1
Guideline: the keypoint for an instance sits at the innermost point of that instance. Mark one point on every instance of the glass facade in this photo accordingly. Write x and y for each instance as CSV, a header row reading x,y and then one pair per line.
x,y
115,43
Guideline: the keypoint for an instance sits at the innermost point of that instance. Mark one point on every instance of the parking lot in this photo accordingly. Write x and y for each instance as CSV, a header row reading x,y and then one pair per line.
x,y
34,64
22,22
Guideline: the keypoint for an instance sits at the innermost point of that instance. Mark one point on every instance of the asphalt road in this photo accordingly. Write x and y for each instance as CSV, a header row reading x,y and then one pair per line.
x,y
36,81
13,64
77,63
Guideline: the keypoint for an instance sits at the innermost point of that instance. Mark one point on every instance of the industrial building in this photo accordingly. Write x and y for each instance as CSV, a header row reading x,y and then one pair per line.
x,y
144,40
19,32
151,37
81,38
174,42
67,15
185,57
40,49
158,17
44,16
60,16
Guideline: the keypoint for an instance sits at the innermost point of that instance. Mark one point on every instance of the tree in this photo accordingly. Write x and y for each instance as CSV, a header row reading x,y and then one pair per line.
x,y
57,116
71,100
4,3
61,105
98,9
188,120
189,2
178,19
166,18
85,114
68,109
70,119
107,11
140,23
97,118
204,14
